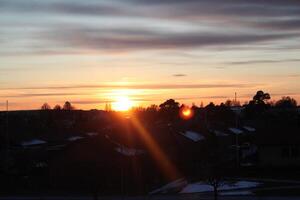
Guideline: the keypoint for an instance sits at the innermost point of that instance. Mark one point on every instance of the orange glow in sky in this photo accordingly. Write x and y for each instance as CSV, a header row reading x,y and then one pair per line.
x,y
141,59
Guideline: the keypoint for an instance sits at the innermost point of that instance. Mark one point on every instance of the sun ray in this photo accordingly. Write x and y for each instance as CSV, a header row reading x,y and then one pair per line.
x,y
168,168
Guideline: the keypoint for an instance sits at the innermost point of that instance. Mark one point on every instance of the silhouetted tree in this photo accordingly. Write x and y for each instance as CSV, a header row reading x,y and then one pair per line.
x,y
261,97
169,110
201,104
152,107
45,106
286,102
108,107
57,107
210,106
230,103
169,104
68,106
258,105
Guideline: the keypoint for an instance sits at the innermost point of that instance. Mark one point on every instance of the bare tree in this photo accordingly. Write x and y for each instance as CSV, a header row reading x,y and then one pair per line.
x,y
45,106
108,107
215,165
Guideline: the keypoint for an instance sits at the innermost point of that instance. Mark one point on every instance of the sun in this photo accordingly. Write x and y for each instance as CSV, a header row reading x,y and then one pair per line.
x,y
122,103
186,113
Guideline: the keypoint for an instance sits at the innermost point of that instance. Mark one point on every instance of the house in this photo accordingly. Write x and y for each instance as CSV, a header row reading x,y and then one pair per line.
x,y
279,149
192,135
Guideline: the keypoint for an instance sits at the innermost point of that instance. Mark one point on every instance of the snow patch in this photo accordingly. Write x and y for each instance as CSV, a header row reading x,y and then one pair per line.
x,y
250,129
74,138
176,185
236,193
92,134
129,152
195,136
219,133
236,131
33,142
204,187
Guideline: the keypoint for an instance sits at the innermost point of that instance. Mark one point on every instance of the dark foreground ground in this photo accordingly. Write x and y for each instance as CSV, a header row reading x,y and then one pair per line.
x,y
165,197
265,193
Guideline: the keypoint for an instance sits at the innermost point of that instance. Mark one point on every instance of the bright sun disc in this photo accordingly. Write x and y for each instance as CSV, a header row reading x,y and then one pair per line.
x,y
186,113
122,104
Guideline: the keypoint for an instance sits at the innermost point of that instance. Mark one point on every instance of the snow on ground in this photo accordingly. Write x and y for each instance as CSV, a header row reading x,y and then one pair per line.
x,y
250,129
204,187
173,186
129,151
236,131
235,193
74,138
92,134
195,136
219,133
33,142
197,187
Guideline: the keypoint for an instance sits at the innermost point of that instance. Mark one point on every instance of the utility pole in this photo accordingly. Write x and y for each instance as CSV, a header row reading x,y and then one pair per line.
x,y
5,144
236,135
6,131
235,97
237,150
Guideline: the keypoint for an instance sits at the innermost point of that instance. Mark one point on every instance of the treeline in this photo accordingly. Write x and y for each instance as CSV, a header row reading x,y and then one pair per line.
x,y
66,106
260,99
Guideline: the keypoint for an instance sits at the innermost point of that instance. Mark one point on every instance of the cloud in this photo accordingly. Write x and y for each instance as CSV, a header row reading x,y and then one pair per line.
x,y
231,13
129,39
136,86
14,69
251,62
179,75
203,97
29,95
271,13
232,24
87,102
62,7
282,24
293,75
285,94
287,75
3,105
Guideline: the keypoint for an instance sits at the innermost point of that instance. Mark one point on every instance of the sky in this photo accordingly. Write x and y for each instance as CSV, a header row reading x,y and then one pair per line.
x,y
95,51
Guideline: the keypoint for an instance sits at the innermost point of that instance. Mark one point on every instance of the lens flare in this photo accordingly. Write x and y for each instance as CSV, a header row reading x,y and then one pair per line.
x,y
164,163
186,113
